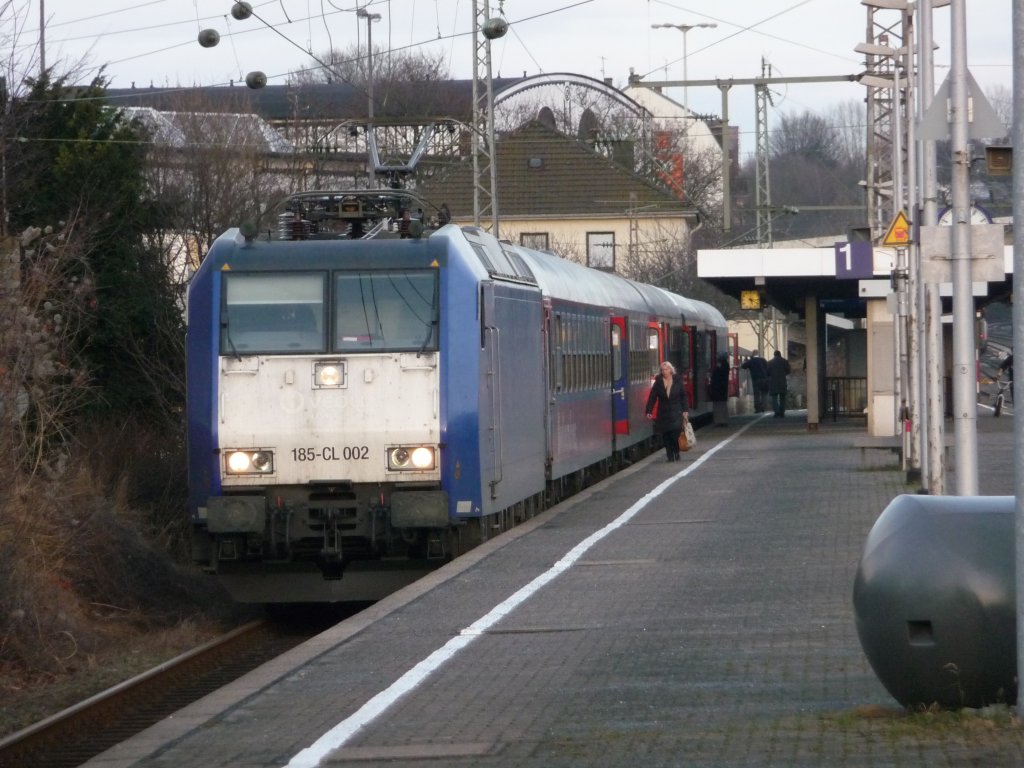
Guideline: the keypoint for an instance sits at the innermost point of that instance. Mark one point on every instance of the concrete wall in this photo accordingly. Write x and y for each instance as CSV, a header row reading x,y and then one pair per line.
x,y
881,369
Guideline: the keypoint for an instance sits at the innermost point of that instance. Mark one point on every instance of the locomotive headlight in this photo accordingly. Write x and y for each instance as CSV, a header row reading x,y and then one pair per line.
x,y
423,458
329,374
263,461
419,457
249,462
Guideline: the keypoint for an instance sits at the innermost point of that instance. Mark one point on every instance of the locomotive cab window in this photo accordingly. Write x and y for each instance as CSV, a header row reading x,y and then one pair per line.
x,y
385,311
271,313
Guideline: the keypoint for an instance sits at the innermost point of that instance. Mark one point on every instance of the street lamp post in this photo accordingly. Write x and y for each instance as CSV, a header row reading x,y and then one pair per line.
x,y
362,13
684,28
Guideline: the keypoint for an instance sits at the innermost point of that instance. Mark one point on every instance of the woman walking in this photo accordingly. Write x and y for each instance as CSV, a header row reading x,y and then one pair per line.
x,y
673,404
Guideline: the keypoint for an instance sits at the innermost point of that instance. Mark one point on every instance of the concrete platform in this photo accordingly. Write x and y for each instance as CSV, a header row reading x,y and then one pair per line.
x,y
679,614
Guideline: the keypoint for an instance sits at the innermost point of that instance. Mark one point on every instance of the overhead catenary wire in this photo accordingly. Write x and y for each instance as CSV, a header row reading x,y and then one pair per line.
x,y
741,29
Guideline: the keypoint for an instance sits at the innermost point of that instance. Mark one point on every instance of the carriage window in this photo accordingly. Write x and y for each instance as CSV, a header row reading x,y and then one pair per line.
x,y
272,313
385,311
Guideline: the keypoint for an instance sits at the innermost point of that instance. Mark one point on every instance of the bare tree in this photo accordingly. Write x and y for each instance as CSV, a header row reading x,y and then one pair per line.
x,y
213,171
849,120
701,171
815,163
670,262
351,65
806,135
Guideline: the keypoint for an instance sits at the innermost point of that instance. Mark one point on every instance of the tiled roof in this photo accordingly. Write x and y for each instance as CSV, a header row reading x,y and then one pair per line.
x,y
542,172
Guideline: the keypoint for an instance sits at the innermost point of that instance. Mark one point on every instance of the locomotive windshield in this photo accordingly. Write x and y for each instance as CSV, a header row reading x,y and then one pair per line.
x,y
275,313
395,310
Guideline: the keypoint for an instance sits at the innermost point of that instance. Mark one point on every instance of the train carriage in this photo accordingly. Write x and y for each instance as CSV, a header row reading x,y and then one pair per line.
x,y
360,411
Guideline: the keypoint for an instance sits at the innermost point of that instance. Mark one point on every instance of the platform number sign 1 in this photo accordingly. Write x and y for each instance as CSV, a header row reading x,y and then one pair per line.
x,y
854,261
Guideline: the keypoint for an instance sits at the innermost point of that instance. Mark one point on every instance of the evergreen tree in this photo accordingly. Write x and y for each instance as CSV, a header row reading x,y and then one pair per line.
x,y
74,162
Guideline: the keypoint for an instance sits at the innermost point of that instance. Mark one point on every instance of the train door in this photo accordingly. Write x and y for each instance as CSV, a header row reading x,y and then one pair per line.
x,y
550,355
681,356
512,394
619,340
734,364
703,354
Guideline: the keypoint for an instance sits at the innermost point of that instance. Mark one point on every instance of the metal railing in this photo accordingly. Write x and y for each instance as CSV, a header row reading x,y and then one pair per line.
x,y
846,396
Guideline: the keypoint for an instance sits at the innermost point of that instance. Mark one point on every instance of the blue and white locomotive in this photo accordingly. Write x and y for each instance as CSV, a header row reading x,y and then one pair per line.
x,y
362,410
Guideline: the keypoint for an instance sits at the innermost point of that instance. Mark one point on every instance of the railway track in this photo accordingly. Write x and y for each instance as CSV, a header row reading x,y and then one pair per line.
x,y
83,731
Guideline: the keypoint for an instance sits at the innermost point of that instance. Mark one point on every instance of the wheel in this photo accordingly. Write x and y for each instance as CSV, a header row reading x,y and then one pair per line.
x,y
998,407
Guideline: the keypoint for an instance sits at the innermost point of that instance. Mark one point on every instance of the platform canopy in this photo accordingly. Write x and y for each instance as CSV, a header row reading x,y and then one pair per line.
x,y
786,276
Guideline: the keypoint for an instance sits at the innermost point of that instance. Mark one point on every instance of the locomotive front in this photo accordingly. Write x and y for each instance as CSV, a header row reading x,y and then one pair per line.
x,y
314,417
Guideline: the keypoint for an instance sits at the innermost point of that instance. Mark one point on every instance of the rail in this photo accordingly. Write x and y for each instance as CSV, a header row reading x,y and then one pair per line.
x,y
77,734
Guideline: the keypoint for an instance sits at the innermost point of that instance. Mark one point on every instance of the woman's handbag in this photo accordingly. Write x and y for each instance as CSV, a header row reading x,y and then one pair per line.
x,y
687,439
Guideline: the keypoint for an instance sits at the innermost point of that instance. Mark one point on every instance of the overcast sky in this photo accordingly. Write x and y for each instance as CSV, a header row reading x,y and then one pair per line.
x,y
154,41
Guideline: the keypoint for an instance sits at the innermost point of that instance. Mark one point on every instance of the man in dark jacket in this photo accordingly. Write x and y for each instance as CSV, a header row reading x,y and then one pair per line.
x,y
758,368
778,370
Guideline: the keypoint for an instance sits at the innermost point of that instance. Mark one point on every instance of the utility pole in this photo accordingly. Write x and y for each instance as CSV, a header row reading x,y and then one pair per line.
x,y
362,13
965,416
485,158
930,304
762,183
913,321
1018,323
42,37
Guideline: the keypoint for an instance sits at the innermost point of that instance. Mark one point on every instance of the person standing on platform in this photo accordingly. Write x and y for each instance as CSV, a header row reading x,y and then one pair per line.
x,y
673,404
718,390
758,368
778,370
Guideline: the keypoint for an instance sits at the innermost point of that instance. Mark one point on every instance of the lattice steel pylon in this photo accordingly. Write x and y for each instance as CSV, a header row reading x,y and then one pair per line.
x,y
882,121
485,172
762,185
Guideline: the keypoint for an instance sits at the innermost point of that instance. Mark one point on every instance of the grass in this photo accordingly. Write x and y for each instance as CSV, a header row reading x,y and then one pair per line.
x,y
995,726
91,592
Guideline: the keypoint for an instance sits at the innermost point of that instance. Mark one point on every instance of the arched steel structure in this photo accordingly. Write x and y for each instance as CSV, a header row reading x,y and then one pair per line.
x,y
486,100
569,78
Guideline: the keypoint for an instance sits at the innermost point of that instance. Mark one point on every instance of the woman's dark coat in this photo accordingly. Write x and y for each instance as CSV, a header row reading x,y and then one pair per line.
x,y
671,404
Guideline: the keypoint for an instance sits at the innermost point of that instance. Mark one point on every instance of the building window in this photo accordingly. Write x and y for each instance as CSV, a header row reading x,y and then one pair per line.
x,y
536,240
535,163
601,250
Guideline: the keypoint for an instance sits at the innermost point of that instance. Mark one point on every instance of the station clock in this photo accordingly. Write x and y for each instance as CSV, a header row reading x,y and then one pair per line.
x,y
750,300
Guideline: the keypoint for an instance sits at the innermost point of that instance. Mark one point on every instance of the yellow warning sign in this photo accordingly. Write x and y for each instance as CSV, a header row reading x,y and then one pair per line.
x,y
899,232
